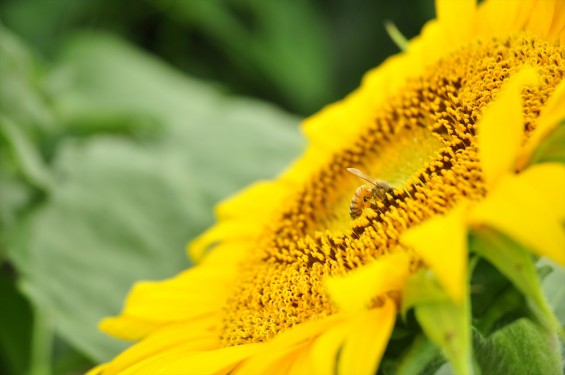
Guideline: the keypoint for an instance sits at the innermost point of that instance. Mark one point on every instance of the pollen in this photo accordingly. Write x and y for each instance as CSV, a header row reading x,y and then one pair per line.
x,y
422,141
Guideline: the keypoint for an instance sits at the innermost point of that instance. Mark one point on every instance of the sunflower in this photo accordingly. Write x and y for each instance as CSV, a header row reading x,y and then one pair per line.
x,y
290,281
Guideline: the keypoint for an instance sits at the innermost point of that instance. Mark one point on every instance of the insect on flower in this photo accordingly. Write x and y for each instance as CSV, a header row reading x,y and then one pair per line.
x,y
365,194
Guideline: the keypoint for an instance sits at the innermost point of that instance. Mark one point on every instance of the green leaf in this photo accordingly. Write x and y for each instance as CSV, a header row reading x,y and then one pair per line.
x,y
516,263
487,283
495,301
521,348
445,323
260,40
16,316
42,23
422,357
67,360
21,96
25,120
123,207
29,161
552,148
14,195
553,289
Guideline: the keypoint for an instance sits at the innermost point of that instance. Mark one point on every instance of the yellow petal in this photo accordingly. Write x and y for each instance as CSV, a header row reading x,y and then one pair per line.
x,y
558,23
165,301
177,360
324,129
272,362
523,213
549,180
457,18
192,336
98,370
442,243
540,20
285,346
499,18
355,290
184,297
501,129
302,363
201,245
128,327
432,44
254,200
303,332
552,113
369,332
227,256
239,215
326,348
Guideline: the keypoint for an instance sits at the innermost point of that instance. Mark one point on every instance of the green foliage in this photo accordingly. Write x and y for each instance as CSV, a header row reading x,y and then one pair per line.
x,y
554,291
111,160
517,265
272,41
128,176
27,160
552,148
299,54
446,323
422,357
515,309
495,300
522,347
16,328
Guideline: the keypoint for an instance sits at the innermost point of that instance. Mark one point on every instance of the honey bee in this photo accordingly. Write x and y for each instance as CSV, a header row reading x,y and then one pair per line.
x,y
365,195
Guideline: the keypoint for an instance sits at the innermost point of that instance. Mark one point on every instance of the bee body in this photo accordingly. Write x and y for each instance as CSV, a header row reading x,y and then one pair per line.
x,y
366,195
360,200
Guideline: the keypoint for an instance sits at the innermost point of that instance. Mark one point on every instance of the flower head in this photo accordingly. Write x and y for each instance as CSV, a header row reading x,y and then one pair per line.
x,y
287,279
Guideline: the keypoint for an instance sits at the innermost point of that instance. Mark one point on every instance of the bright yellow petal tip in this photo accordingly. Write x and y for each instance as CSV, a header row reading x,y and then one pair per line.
x,y
355,290
552,114
501,130
442,244
369,332
519,207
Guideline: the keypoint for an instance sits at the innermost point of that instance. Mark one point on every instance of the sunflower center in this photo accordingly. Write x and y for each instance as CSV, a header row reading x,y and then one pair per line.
x,y
423,143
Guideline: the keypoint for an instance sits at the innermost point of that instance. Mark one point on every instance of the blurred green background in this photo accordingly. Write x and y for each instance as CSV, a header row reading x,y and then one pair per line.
x,y
122,124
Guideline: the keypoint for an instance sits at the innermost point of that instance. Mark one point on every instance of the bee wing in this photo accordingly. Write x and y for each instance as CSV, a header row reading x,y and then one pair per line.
x,y
383,185
362,175
379,184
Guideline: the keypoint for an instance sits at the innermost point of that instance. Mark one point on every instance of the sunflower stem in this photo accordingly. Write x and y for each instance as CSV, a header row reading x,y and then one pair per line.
x,y
42,345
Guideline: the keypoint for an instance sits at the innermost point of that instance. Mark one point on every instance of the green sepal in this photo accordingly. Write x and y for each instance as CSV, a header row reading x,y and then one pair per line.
x,y
422,357
444,322
516,263
409,351
553,289
552,148
421,287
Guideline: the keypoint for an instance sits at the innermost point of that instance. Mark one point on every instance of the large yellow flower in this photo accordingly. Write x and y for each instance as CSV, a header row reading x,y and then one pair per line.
x,y
288,282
